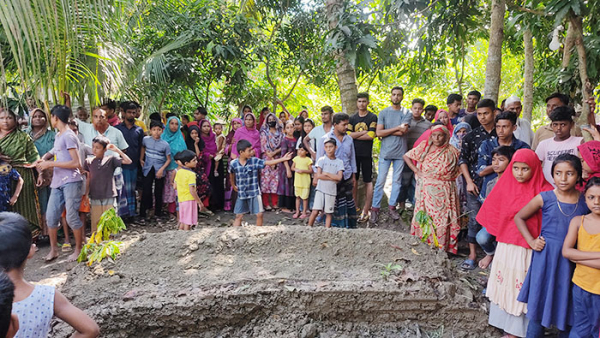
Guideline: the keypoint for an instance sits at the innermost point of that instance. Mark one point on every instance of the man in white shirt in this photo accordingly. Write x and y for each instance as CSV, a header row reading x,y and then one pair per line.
x,y
523,132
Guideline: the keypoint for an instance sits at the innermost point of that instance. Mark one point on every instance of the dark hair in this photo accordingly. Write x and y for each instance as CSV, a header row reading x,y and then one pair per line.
x,y
562,97
573,160
185,116
154,123
169,115
421,101
302,132
62,112
7,294
475,93
436,123
101,140
431,108
339,117
155,117
15,240
128,105
185,156
203,110
487,103
263,110
217,124
362,96
327,109
81,108
507,115
592,182
109,103
311,121
302,146
397,88
562,113
453,98
242,145
497,110
299,118
330,140
506,151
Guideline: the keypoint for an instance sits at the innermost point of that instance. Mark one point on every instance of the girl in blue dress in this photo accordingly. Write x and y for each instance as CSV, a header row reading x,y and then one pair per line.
x,y
547,287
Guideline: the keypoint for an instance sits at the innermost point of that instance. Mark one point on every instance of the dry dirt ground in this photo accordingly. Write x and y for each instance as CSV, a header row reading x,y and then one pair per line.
x,y
280,280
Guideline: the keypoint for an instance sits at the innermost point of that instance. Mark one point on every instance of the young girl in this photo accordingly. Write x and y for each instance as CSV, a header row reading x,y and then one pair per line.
x,y
585,232
308,126
196,145
271,136
298,127
285,189
513,254
211,166
302,167
547,287
187,195
220,138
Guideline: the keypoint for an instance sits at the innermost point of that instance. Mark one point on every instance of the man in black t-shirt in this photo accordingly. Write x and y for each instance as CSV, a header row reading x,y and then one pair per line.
x,y
361,128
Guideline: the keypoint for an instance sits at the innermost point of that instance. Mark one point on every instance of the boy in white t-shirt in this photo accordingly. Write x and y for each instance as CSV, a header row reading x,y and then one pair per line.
x,y
329,172
561,143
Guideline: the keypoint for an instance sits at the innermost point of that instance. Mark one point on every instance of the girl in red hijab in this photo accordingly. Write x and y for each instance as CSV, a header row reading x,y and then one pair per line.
x,y
590,161
513,254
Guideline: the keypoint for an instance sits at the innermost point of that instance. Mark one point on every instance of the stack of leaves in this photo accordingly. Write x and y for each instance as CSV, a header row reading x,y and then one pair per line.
x,y
427,227
100,246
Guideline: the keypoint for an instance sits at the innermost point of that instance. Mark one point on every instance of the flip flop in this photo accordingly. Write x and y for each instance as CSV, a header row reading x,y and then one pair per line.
x,y
295,216
66,247
303,216
468,264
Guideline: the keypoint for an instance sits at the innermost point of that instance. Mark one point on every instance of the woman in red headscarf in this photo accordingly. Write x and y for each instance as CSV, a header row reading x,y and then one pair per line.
x,y
590,160
513,254
436,171
440,116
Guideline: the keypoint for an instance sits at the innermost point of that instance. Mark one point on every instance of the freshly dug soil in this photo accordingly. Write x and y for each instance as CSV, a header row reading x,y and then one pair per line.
x,y
277,281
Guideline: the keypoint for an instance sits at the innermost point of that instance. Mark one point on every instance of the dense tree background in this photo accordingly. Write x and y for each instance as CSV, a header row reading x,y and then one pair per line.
x,y
178,54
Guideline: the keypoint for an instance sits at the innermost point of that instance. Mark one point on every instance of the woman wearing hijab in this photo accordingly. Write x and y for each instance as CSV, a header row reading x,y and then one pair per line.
x,y
460,130
210,151
196,144
440,116
230,194
249,133
173,136
590,161
436,172
513,254
271,135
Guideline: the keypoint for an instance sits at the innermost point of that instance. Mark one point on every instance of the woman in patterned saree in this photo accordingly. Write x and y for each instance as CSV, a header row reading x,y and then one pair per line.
x,y
436,171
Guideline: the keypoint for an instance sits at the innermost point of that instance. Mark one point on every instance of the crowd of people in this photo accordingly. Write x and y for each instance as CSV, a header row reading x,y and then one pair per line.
x,y
530,200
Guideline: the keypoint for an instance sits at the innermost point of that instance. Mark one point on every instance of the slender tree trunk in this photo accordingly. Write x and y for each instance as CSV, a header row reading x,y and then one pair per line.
x,y
493,67
346,74
528,85
586,86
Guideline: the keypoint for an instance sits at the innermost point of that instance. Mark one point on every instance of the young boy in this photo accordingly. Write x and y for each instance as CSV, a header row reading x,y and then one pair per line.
x,y
66,187
35,305
157,155
330,171
561,143
244,180
302,168
187,196
9,323
100,183
501,157
7,175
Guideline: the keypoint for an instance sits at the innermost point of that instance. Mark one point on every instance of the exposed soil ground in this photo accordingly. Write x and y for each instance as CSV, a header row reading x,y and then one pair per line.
x,y
275,281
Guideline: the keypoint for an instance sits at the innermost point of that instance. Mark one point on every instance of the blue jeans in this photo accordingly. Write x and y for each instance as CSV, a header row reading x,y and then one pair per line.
x,y
66,196
486,241
473,206
587,314
536,330
384,167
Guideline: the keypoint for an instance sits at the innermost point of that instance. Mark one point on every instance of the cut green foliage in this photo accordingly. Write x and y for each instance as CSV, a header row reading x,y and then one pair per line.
x,y
427,227
100,246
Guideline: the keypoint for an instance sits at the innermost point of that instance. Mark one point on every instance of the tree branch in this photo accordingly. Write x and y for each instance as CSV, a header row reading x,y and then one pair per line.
x,y
293,87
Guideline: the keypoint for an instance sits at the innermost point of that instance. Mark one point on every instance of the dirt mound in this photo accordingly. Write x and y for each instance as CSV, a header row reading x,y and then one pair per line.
x,y
277,281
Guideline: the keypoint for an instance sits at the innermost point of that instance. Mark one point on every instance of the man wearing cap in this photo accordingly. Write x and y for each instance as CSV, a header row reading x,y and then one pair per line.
x,y
523,132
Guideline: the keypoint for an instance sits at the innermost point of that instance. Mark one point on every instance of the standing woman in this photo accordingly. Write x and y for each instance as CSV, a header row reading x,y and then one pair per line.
x,y
43,138
19,147
195,143
436,171
249,133
173,136
230,194
271,135
285,187
210,151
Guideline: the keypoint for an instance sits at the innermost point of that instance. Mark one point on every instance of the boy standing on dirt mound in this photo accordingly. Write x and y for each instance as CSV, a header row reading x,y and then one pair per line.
x,y
244,180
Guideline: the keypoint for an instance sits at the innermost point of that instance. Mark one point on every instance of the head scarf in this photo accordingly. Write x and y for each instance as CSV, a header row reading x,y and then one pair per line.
x,y
175,141
273,139
509,196
40,133
210,143
449,124
590,153
229,137
249,134
430,140
456,140
190,143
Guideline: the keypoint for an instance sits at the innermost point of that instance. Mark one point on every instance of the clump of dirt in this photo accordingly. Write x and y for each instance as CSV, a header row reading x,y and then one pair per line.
x,y
280,281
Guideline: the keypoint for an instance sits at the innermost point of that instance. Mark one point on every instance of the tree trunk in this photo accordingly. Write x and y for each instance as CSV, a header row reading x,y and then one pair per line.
x,y
346,75
586,86
493,67
528,85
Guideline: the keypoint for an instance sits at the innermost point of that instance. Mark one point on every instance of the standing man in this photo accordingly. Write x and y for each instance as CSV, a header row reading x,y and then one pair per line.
x,y
200,114
110,107
344,215
362,128
454,102
138,122
418,125
392,125
134,136
545,132
523,132
468,162
318,132
470,112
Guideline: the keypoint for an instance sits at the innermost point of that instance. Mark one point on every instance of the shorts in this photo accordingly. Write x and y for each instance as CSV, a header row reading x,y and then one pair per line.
x,y
364,164
303,193
251,205
84,206
66,197
188,212
324,202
